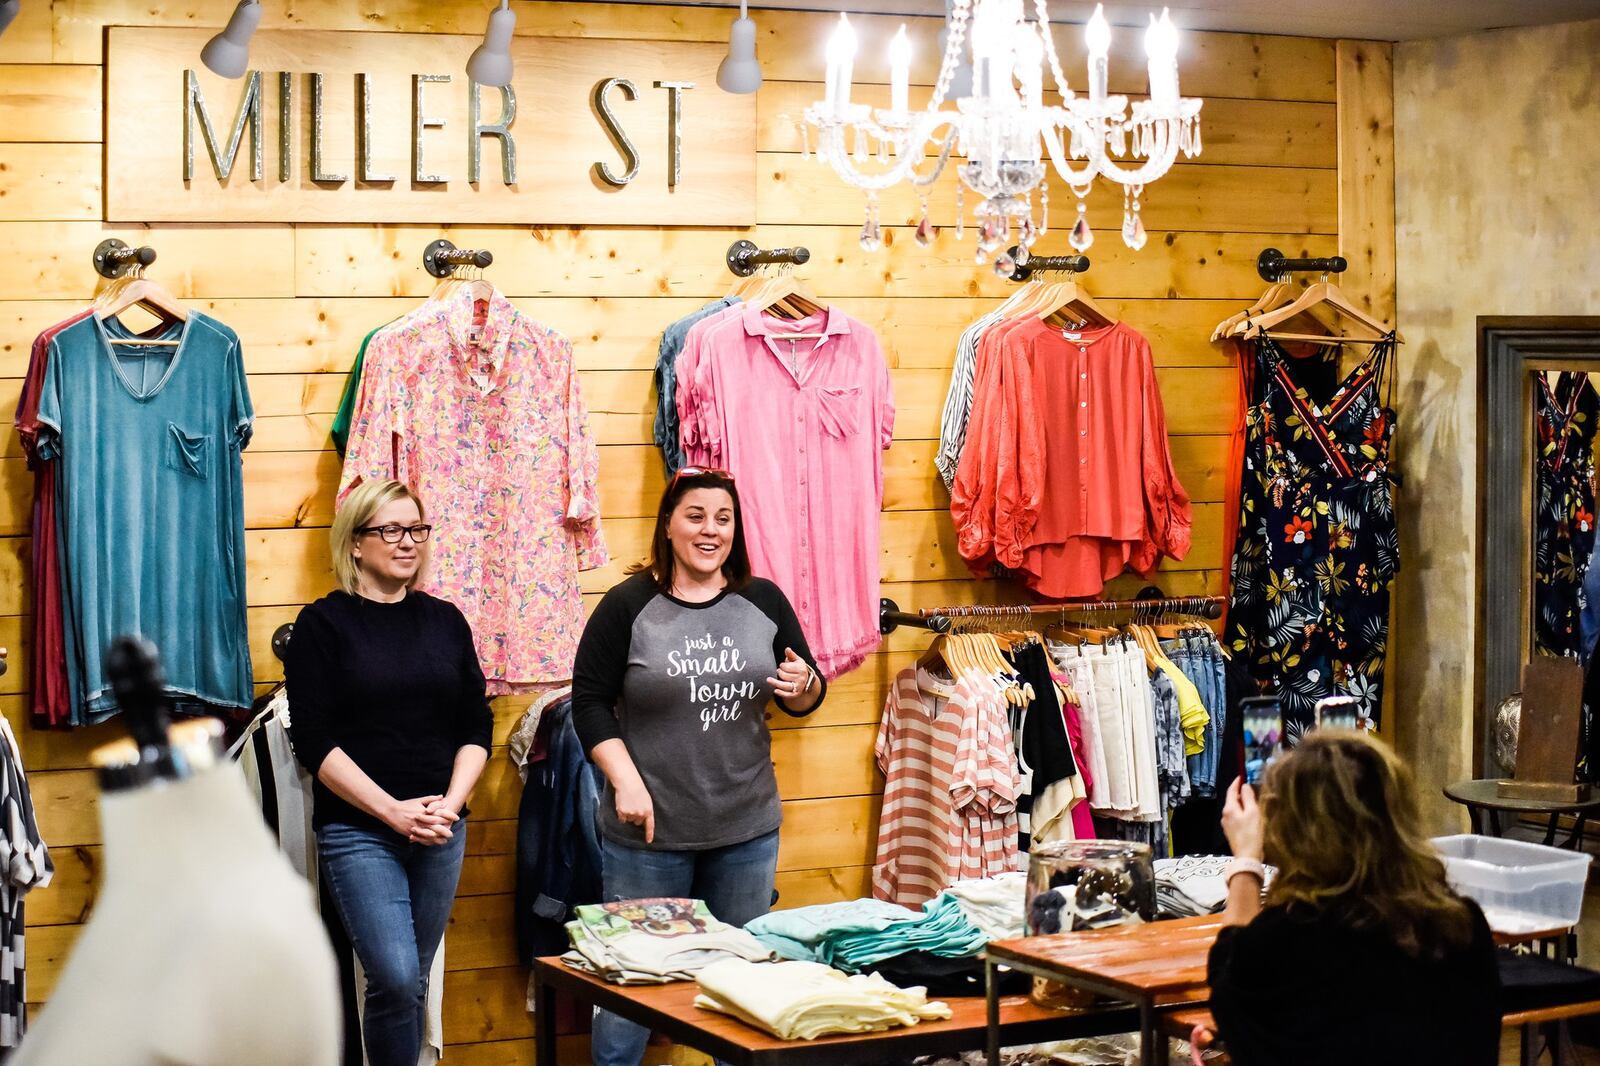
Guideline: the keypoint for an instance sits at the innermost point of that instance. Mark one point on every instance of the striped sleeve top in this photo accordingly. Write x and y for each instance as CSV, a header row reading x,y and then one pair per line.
x,y
958,400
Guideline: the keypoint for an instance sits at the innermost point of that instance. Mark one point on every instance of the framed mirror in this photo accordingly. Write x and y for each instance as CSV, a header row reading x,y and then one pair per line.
x,y
1538,419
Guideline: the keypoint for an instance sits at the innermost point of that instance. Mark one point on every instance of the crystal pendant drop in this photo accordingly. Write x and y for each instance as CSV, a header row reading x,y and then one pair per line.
x,y
1004,265
805,141
1026,234
989,235
961,215
871,235
1081,236
1044,210
1194,140
1133,235
924,235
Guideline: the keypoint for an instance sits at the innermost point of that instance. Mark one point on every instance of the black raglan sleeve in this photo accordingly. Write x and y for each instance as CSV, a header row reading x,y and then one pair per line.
x,y
771,601
602,659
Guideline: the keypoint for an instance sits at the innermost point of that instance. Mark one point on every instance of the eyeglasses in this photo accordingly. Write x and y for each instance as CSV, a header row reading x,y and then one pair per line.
x,y
391,534
699,471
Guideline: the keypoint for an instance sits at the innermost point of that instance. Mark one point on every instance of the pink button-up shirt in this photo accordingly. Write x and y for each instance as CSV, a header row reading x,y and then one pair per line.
x,y
484,421
802,425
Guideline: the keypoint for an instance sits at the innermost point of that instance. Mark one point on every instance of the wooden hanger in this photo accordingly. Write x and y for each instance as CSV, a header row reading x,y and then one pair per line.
x,y
141,292
790,298
1328,296
1277,294
1068,296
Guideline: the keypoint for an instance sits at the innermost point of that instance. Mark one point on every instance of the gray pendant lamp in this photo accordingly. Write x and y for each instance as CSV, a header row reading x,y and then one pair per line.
x,y
8,12
740,71
228,53
490,62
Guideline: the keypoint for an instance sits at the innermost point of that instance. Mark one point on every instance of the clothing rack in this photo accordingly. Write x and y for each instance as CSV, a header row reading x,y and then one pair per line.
x,y
114,258
442,258
1272,265
744,258
940,619
1027,266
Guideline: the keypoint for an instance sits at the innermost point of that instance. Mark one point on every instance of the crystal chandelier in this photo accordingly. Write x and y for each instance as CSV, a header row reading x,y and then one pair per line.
x,y
1003,131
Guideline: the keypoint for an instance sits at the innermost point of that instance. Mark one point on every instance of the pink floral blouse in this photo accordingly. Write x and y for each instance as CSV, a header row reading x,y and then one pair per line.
x,y
802,425
477,409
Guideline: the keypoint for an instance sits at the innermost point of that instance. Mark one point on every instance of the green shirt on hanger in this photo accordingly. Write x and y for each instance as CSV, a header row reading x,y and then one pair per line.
x,y
340,431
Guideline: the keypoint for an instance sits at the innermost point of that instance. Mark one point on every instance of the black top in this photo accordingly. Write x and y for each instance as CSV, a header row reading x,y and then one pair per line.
x,y
395,686
684,686
1298,987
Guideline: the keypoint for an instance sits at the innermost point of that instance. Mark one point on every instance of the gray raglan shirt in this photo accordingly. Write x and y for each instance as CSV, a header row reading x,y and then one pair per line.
x,y
684,685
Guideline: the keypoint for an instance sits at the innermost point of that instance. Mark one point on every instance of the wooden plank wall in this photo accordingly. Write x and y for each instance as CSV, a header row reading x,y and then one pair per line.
x,y
301,297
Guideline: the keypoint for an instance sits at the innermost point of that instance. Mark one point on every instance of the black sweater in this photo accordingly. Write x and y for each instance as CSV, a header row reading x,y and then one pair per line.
x,y
396,686
1295,988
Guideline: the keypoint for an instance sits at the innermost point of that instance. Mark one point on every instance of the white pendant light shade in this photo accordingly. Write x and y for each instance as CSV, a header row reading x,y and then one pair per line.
x,y
228,53
490,63
740,71
8,12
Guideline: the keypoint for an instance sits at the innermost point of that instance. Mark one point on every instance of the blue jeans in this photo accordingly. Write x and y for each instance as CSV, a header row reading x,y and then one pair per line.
x,y
395,898
735,881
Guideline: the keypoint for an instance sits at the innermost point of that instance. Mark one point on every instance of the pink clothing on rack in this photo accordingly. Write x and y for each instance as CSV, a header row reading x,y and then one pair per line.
x,y
950,787
476,407
802,424
1082,819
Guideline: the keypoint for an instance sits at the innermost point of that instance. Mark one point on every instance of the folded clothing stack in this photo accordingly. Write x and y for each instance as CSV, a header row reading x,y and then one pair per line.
x,y
854,935
804,1000
1194,884
994,904
654,941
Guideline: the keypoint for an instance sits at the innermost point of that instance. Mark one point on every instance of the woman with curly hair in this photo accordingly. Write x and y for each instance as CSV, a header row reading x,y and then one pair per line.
x,y
1362,953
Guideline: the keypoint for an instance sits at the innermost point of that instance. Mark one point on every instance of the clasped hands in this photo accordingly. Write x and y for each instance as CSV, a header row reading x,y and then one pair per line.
x,y
424,820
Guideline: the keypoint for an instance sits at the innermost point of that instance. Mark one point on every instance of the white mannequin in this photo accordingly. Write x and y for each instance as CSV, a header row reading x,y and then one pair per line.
x,y
203,947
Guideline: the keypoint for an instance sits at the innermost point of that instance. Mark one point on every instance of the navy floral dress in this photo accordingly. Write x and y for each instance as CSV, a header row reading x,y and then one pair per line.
x,y
1318,548
1563,528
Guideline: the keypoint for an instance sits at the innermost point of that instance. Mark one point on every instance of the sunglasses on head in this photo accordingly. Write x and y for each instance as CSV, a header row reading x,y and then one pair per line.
x,y
699,471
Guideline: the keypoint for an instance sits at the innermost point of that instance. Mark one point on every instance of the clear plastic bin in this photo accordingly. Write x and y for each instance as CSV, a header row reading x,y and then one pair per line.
x,y
1522,888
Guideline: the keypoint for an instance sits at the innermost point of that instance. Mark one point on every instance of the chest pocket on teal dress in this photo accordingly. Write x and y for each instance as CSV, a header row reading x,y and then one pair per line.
x,y
188,453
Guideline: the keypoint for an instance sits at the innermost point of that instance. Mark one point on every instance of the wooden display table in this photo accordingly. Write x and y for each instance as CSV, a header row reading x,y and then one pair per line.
x,y
1155,966
670,1009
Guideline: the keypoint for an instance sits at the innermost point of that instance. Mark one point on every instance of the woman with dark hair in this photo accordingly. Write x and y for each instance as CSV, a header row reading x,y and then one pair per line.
x,y
669,696
1362,952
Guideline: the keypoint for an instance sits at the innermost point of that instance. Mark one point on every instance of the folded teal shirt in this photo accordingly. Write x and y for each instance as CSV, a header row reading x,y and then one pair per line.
x,y
852,936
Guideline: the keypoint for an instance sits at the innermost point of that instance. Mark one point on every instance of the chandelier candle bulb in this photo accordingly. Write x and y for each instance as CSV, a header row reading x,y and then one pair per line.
x,y
900,72
841,63
1030,54
1161,45
1097,33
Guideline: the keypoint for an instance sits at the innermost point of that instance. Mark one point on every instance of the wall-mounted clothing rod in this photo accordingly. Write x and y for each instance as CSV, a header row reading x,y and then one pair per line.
x,y
744,258
1271,264
113,258
1040,264
441,258
940,619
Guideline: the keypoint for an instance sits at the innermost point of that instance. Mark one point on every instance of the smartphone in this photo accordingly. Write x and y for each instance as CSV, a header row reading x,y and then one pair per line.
x,y
1263,733
1340,712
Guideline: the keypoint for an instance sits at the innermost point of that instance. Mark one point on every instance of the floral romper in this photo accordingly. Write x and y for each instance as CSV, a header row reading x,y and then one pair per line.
x,y
1318,547
1563,527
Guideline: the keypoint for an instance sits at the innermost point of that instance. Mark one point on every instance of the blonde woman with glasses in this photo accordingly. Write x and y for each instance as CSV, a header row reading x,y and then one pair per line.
x,y
389,715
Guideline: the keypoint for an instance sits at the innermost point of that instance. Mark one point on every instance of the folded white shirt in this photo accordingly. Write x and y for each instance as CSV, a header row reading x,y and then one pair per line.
x,y
804,1000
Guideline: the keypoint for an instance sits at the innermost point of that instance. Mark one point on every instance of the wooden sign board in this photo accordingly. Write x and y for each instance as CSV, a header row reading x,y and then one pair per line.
x,y
1548,732
384,127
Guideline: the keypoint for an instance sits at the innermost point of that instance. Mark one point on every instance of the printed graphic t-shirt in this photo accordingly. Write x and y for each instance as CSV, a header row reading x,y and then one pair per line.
x,y
684,685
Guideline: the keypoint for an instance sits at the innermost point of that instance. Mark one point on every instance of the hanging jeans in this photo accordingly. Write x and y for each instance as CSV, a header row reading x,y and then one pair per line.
x,y
735,882
394,897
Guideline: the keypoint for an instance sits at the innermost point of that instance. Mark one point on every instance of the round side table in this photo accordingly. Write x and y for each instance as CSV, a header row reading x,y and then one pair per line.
x,y
1482,797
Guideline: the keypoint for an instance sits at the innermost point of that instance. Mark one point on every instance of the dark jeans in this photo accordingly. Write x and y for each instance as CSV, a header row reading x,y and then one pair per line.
x,y
735,881
395,898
